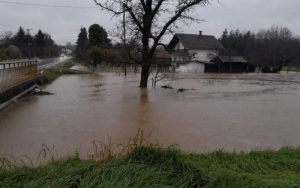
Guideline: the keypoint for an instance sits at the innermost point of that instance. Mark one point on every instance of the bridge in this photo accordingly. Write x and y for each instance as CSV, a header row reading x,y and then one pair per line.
x,y
17,77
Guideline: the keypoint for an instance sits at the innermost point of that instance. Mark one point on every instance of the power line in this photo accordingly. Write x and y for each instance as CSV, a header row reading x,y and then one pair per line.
x,y
46,5
7,26
4,26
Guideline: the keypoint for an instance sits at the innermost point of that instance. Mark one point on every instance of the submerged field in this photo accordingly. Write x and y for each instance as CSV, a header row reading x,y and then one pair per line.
x,y
156,167
238,112
241,112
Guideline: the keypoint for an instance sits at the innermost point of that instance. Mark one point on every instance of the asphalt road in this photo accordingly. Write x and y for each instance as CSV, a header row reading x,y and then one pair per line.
x,y
50,62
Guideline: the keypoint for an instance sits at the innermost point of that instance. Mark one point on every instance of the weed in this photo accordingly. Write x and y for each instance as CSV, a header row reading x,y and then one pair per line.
x,y
140,164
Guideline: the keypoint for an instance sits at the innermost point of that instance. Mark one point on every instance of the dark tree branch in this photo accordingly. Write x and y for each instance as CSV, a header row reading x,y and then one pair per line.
x,y
109,7
133,16
184,6
157,7
143,3
163,45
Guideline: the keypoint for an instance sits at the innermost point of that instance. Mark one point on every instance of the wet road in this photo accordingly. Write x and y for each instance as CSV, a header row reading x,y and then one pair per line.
x,y
233,112
50,62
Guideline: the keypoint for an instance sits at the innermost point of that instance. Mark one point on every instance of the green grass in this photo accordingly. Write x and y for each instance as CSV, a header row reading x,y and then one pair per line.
x,y
291,69
55,72
147,166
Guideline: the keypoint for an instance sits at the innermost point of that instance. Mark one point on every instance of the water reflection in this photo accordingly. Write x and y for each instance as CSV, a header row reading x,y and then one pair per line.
x,y
234,112
144,95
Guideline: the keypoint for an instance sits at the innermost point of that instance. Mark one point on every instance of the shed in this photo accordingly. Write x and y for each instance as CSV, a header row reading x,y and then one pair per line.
x,y
230,64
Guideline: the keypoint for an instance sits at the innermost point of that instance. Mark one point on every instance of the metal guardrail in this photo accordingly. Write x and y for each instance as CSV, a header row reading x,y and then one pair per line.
x,y
15,72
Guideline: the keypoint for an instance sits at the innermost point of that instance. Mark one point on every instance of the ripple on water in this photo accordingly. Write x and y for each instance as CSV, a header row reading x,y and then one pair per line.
x,y
230,111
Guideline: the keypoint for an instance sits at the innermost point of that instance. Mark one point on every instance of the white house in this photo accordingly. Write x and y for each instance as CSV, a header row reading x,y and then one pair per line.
x,y
190,53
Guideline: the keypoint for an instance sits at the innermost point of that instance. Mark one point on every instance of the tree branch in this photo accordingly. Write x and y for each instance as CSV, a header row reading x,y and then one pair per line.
x,y
182,7
134,18
108,7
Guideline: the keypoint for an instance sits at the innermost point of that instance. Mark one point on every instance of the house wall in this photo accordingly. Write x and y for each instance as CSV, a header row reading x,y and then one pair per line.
x,y
191,68
179,46
203,55
191,61
181,58
192,55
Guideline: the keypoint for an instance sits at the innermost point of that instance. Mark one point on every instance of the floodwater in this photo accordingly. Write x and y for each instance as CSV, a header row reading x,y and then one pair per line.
x,y
219,111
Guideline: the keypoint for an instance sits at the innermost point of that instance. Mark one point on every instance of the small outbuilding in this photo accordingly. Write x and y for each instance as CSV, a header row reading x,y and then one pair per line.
x,y
230,64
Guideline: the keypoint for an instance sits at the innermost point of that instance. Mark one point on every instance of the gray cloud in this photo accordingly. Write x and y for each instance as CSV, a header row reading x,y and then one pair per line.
x,y
64,24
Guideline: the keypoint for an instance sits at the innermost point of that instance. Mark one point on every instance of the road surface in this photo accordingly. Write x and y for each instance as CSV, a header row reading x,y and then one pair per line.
x,y
50,62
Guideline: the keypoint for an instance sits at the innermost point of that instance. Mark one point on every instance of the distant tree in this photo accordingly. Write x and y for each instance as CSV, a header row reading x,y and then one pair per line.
x,y
40,43
51,49
98,36
20,37
6,39
11,52
82,44
20,40
108,55
273,47
44,45
224,37
3,55
280,47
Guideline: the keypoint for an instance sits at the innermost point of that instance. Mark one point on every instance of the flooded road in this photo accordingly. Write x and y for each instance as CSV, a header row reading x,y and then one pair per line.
x,y
233,112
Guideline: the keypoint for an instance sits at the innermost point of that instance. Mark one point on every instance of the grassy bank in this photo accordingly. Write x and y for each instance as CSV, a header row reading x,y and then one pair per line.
x,y
61,69
291,69
156,167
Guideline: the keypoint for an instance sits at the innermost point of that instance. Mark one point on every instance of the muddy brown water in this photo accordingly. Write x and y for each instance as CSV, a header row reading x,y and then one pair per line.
x,y
232,112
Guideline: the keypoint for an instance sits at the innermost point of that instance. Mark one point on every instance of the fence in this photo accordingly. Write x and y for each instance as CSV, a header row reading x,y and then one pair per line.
x,y
16,72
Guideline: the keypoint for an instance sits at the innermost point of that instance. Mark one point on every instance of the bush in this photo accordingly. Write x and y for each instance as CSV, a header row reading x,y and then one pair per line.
x,y
11,52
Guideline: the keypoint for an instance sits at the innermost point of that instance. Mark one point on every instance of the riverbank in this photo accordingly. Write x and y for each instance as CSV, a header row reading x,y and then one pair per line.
x,y
156,167
55,72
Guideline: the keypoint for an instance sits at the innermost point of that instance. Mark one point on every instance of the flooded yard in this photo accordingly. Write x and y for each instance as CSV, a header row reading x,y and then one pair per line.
x,y
233,112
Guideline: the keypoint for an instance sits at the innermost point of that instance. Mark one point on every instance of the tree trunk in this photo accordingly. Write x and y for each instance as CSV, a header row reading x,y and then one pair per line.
x,y
125,69
146,62
144,76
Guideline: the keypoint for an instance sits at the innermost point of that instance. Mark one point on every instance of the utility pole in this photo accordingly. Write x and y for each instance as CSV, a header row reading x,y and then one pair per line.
x,y
124,38
28,42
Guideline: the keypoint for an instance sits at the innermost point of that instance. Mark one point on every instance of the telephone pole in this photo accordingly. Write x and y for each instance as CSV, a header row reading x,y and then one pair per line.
x,y
28,42
124,38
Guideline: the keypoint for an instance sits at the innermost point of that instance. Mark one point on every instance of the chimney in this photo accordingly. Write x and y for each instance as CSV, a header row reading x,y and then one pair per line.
x,y
200,33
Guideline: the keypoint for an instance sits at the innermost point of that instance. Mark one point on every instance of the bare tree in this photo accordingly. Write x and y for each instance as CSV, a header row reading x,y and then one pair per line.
x,y
151,20
5,38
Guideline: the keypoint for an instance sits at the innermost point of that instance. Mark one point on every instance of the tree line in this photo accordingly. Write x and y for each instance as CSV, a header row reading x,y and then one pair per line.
x,y
94,46
273,47
24,45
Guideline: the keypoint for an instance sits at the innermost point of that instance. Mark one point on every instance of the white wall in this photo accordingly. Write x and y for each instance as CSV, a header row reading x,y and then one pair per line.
x,y
195,55
180,58
192,68
177,57
203,55
179,46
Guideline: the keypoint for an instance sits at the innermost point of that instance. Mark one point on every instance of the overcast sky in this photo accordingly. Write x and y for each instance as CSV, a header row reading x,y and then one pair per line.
x,y
63,24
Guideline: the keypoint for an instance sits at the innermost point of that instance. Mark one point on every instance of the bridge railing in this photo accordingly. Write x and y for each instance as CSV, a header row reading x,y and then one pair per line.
x,y
16,72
